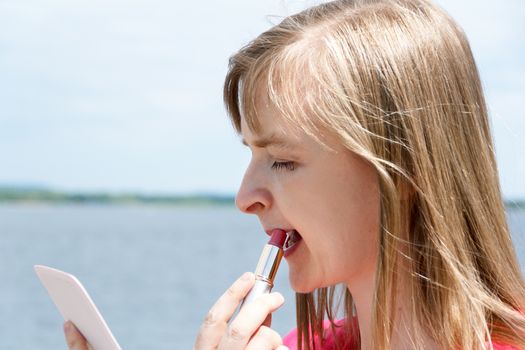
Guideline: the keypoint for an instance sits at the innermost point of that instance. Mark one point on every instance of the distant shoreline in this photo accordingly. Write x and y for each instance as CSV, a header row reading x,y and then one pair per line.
x,y
29,196
44,196
517,205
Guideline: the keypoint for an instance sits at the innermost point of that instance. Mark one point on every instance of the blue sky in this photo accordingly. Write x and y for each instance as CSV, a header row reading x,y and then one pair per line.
x,y
121,95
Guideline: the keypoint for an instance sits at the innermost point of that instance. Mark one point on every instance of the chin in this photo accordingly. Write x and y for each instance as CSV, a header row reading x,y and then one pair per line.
x,y
302,285
303,290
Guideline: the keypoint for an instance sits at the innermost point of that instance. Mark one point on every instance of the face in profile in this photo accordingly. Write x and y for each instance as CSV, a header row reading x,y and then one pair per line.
x,y
329,195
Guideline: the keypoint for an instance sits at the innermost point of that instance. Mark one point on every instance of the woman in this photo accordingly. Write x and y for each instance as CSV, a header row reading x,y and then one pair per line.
x,y
371,145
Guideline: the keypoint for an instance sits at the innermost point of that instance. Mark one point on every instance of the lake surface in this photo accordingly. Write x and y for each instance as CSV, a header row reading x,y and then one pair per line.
x,y
152,271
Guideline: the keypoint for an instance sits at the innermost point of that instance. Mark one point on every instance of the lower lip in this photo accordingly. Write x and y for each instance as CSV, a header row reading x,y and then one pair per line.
x,y
289,251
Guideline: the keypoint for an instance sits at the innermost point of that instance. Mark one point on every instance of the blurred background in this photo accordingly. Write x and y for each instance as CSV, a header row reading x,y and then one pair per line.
x,y
118,163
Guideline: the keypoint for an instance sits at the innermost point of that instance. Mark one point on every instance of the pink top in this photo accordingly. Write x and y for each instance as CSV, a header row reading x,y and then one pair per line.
x,y
290,340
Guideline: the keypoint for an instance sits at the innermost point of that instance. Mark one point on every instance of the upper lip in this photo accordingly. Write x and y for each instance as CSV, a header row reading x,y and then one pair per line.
x,y
269,231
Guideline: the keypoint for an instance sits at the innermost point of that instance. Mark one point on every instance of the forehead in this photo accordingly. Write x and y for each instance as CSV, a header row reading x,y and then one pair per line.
x,y
270,129
269,110
277,132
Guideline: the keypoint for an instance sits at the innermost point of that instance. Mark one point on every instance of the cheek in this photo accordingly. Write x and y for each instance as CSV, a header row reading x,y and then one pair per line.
x,y
354,216
340,219
348,248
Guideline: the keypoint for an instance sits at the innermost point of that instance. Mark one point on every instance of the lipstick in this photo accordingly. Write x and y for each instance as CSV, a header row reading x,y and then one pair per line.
x,y
267,266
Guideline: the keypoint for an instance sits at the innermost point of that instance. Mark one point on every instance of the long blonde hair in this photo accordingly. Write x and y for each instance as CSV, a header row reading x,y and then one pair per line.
x,y
396,81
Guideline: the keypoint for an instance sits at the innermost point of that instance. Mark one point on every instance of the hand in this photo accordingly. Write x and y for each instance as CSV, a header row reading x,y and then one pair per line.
x,y
250,328
74,339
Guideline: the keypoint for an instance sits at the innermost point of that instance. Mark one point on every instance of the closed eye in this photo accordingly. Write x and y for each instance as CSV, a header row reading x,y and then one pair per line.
x,y
290,166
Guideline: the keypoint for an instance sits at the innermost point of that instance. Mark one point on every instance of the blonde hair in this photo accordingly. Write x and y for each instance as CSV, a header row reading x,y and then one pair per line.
x,y
397,83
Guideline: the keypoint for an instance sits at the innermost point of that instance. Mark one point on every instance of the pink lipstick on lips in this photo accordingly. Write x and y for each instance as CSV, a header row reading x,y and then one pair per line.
x,y
267,266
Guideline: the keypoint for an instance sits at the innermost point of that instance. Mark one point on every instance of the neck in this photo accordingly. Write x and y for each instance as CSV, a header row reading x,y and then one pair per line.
x,y
362,295
403,331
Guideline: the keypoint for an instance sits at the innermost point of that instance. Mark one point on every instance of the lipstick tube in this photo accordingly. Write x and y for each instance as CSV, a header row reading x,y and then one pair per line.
x,y
267,266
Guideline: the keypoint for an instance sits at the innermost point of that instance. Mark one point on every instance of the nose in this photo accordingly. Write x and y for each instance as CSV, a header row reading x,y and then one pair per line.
x,y
253,197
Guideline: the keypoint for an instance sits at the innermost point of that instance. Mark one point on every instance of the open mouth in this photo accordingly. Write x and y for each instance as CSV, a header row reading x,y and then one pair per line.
x,y
292,239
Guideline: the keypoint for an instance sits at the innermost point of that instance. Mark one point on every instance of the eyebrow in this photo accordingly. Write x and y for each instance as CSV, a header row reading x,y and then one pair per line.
x,y
271,140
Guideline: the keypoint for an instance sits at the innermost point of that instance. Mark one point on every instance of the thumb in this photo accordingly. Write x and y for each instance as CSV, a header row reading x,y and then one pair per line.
x,y
74,339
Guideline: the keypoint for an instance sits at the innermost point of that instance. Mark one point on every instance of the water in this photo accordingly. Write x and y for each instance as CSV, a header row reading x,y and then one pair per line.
x,y
152,271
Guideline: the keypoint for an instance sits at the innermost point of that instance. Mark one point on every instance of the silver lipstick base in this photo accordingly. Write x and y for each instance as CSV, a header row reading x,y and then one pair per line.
x,y
264,273
260,287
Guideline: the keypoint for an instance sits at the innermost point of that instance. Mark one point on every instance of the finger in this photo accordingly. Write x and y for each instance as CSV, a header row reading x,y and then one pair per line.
x,y
216,320
265,338
249,320
74,339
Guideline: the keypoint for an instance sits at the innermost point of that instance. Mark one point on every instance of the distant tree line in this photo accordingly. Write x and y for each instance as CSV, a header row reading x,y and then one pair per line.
x,y
49,196
28,195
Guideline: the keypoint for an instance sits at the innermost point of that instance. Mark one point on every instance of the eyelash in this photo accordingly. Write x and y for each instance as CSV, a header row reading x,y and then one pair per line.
x,y
290,166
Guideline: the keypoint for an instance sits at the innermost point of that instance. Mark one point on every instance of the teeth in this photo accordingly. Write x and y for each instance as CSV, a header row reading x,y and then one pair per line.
x,y
292,237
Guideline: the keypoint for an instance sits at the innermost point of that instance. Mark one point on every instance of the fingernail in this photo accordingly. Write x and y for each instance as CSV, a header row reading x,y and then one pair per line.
x,y
246,276
279,296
